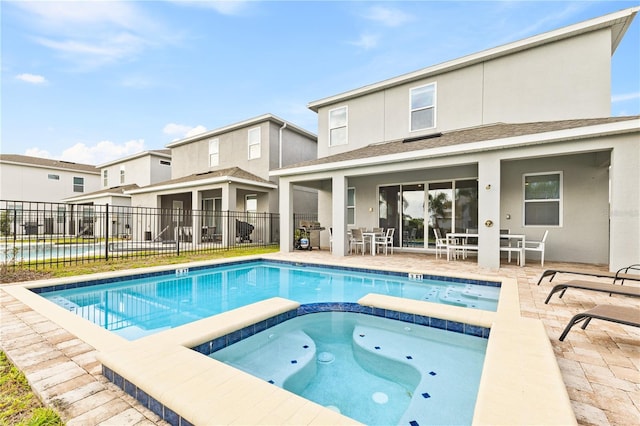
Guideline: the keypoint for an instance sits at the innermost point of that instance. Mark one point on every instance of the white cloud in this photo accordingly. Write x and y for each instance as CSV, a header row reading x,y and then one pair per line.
x,y
37,152
387,16
182,130
32,78
625,97
93,33
196,131
366,41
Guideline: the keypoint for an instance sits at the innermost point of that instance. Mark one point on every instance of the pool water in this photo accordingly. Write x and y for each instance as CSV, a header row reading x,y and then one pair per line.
x,y
138,306
375,370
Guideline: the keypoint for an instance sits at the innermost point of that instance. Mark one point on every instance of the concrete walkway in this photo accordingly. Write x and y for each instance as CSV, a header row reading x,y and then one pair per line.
x,y
600,365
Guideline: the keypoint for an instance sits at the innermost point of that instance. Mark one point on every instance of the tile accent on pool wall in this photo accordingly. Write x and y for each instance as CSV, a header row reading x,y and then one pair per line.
x,y
207,348
147,401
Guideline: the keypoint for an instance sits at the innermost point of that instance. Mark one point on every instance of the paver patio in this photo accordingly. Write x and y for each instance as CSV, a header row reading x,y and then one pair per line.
x,y
600,365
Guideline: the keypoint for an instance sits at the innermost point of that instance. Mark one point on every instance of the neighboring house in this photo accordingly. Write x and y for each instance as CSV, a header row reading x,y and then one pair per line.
x,y
116,178
25,180
227,170
517,137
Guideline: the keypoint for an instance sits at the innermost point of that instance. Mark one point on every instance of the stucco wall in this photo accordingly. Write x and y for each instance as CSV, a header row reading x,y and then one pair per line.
x,y
26,183
562,80
584,232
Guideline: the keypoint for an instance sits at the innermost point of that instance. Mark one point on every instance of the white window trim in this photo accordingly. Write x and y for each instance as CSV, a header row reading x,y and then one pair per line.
x,y
214,142
560,200
122,174
347,206
346,126
105,178
259,143
435,109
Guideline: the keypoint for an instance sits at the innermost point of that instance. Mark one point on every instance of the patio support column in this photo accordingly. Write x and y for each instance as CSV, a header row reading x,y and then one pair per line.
x,y
228,223
195,217
489,212
339,211
624,245
286,215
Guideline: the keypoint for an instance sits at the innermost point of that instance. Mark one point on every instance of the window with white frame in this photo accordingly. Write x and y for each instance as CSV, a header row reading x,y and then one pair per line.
x,y
338,126
254,143
53,177
105,178
543,199
351,206
78,184
214,152
423,107
122,174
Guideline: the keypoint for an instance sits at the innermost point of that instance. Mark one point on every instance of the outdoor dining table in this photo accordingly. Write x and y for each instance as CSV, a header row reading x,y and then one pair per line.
x,y
372,239
455,242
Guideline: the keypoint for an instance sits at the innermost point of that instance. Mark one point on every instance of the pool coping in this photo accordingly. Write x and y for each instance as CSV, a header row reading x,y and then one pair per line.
x,y
520,384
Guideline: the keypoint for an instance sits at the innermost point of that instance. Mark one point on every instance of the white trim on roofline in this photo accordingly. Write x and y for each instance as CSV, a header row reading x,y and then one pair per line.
x,y
239,125
95,196
44,166
587,132
197,183
134,156
617,21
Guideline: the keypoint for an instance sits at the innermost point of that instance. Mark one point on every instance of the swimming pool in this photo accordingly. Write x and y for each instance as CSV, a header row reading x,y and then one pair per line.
x,y
374,370
133,307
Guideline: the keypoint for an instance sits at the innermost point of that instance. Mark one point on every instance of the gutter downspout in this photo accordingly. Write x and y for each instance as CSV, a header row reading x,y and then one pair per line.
x,y
284,125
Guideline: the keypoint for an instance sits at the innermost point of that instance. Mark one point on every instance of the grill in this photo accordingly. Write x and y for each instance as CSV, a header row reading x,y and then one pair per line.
x,y
309,235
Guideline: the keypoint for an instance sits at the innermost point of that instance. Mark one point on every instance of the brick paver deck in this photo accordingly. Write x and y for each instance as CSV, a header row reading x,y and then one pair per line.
x,y
600,366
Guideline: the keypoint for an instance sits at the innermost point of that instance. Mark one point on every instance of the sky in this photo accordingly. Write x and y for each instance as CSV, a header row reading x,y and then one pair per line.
x,y
92,81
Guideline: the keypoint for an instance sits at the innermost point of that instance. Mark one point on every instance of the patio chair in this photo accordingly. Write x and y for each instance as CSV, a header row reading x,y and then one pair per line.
x,y
385,240
621,274
594,286
625,315
536,246
441,243
357,239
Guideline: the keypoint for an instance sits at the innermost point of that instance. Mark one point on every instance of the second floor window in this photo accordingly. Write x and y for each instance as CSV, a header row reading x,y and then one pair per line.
x,y
53,177
121,175
254,143
543,199
338,126
214,152
78,184
423,107
105,178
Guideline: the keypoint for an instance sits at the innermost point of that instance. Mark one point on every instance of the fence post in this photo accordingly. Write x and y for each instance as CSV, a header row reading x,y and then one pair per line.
x,y
106,232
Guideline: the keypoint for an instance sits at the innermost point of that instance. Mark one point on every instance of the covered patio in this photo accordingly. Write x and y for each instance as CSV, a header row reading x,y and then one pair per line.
x,y
563,177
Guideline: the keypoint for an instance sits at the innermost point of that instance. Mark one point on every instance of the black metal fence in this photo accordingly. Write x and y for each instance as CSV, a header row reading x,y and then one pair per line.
x,y
36,234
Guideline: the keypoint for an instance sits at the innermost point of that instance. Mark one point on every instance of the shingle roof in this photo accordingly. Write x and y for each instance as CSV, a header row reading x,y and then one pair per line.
x,y
459,137
236,172
46,162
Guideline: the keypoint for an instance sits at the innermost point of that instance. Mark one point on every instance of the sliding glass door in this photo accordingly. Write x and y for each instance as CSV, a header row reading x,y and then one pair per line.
x,y
451,206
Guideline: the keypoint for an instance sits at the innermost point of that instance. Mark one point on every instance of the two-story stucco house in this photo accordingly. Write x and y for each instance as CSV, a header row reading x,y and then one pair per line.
x,y
25,180
227,170
116,178
517,137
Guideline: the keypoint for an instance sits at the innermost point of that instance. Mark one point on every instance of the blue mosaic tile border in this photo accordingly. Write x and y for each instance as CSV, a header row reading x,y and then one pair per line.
x,y
214,345
80,284
221,342
161,410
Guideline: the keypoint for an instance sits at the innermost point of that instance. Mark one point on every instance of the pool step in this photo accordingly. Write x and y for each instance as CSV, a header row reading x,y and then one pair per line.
x,y
291,354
